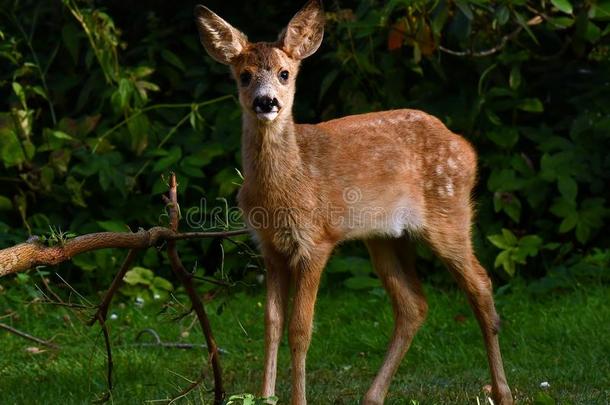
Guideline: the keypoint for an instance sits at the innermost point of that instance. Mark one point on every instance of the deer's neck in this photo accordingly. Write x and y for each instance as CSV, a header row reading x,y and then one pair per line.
x,y
270,152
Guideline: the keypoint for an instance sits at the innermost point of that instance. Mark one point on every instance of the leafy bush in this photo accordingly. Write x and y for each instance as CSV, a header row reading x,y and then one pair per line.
x,y
101,99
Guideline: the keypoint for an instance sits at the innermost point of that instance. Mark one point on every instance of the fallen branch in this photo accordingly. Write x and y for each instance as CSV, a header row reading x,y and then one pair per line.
x,y
32,253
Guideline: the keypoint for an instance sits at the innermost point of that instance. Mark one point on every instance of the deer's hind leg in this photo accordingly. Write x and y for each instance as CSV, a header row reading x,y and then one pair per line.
x,y
394,262
449,236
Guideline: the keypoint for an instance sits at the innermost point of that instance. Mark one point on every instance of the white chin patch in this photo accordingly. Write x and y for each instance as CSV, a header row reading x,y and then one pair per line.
x,y
270,116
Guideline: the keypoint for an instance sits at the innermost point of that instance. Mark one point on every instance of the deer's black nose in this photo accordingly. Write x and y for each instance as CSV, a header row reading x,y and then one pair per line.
x,y
264,104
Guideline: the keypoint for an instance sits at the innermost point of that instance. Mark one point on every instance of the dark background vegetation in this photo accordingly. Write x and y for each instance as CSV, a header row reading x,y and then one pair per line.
x,y
102,98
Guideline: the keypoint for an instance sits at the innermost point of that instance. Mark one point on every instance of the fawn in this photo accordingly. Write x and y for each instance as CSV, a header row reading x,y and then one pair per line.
x,y
385,177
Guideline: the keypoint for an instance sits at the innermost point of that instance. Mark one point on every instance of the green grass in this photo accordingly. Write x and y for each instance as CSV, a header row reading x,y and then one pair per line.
x,y
563,339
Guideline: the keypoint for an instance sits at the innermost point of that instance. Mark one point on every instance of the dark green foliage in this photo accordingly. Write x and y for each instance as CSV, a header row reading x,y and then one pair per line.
x,y
101,99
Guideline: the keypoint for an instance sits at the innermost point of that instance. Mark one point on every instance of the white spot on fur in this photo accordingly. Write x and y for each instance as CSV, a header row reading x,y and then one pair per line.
x,y
449,188
452,164
439,170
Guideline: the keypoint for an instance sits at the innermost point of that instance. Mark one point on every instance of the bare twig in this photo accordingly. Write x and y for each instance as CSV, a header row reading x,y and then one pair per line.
x,y
497,48
24,335
109,363
102,309
487,52
187,281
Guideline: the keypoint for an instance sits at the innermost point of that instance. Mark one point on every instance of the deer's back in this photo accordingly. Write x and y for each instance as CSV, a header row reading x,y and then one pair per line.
x,y
386,162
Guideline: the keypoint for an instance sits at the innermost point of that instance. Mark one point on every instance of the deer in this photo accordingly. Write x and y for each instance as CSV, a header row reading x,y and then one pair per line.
x,y
389,178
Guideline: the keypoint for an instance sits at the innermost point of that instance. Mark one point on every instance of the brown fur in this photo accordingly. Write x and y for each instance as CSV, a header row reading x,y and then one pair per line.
x,y
384,177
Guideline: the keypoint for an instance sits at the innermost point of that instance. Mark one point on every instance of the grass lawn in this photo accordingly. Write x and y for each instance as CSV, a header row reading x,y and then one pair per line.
x,y
563,339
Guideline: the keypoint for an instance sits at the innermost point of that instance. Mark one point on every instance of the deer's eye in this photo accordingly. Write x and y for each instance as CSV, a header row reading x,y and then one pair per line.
x,y
284,76
244,78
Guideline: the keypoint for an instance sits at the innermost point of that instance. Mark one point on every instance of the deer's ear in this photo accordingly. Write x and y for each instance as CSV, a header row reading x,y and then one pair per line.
x,y
304,33
222,42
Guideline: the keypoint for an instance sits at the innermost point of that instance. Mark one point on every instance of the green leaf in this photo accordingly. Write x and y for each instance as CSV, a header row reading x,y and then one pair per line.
x,y
530,245
160,282
138,127
121,96
502,14
563,208
493,117
531,105
172,157
523,23
503,259
509,237
592,32
139,275
113,226
567,187
593,211
504,180
228,180
18,89
563,5
143,71
61,135
505,137
11,151
514,79
568,223
75,188
600,10
47,175
554,166
5,203
173,59
85,261
499,241
465,8
561,22
70,37
583,232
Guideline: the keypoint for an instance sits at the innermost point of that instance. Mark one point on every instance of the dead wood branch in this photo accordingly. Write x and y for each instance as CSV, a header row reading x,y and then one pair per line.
x,y
33,253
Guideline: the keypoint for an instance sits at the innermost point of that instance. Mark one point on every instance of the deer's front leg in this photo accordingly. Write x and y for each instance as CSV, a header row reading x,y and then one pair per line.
x,y
307,276
278,286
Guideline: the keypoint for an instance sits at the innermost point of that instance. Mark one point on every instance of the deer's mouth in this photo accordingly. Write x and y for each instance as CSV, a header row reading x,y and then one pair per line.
x,y
266,108
267,116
